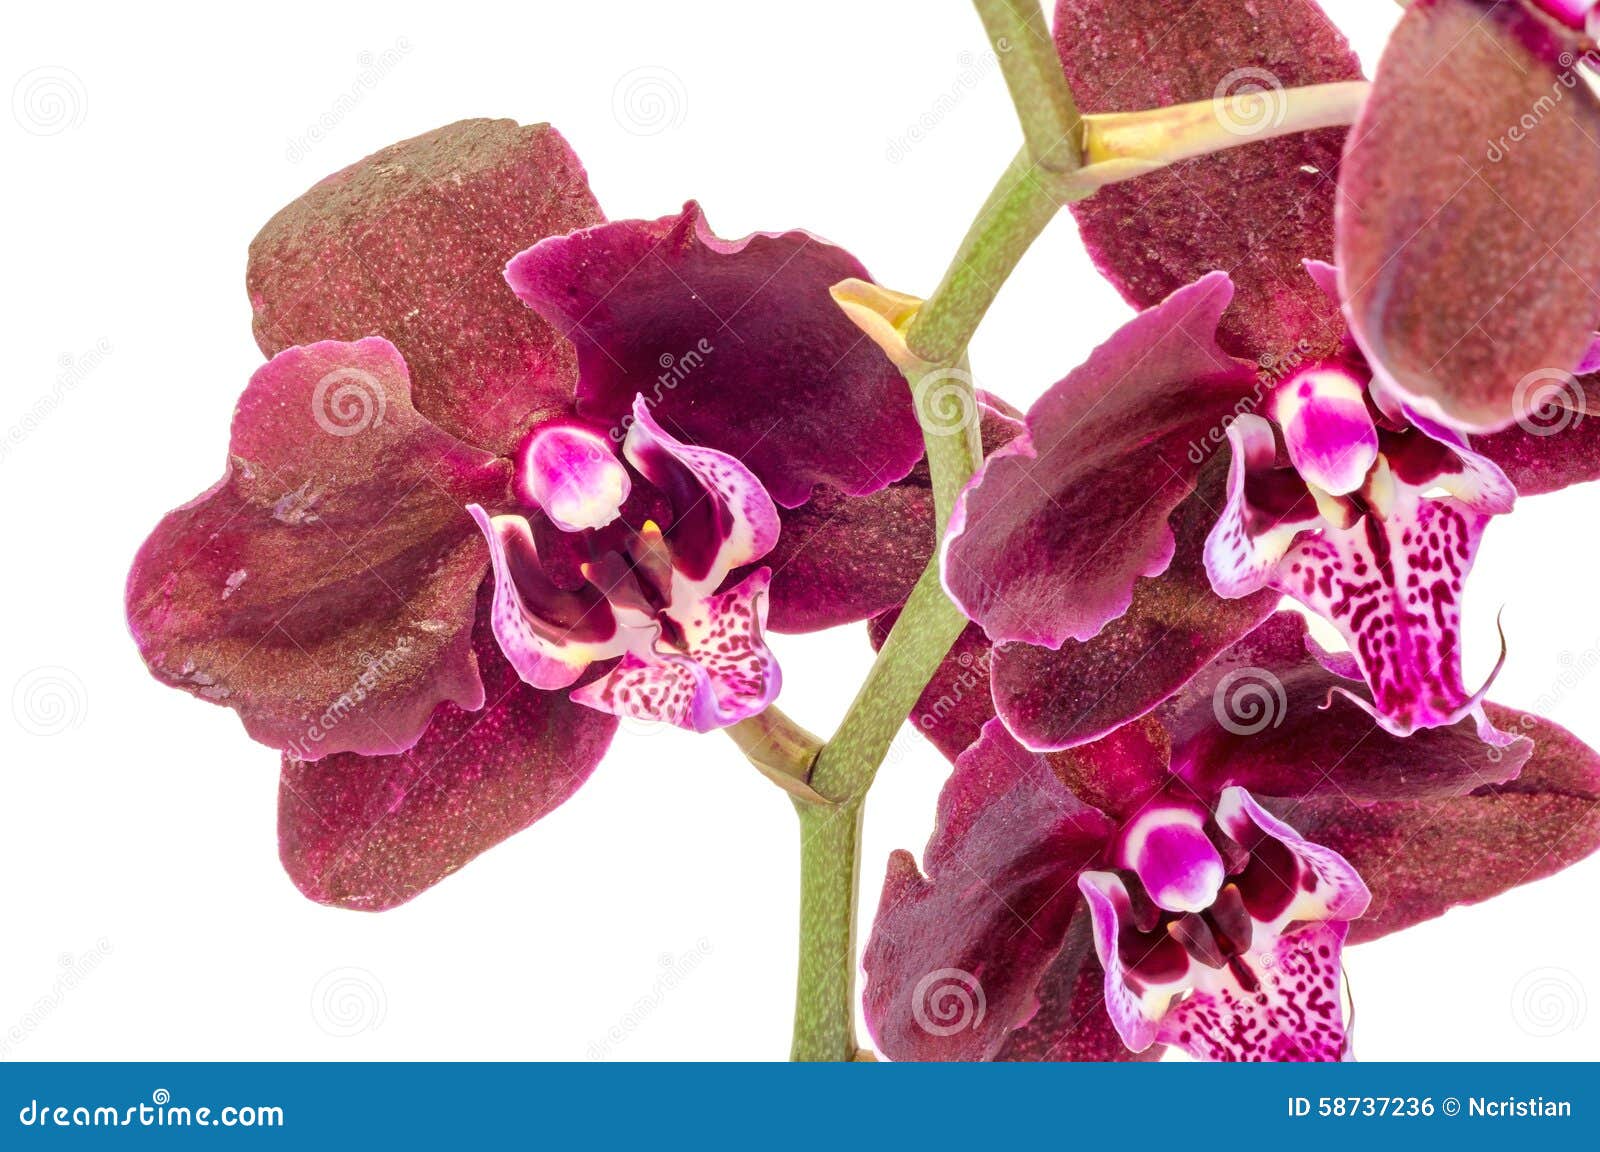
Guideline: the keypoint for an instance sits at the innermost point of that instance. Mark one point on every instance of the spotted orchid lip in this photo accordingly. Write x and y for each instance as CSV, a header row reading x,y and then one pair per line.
x,y
691,652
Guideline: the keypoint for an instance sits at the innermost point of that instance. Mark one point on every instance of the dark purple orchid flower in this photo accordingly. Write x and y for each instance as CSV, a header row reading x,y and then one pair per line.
x,y
691,655
333,589
1190,879
1083,548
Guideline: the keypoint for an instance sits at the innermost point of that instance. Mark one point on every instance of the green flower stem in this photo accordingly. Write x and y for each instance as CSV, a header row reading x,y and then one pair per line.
x,y
830,864
1034,78
1022,203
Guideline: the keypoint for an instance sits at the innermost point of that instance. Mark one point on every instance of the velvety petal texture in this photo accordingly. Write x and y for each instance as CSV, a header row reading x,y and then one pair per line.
x,y
1175,625
1049,540
370,832
409,244
324,588
1253,211
736,345
1468,226
956,955
1271,715
1424,857
842,558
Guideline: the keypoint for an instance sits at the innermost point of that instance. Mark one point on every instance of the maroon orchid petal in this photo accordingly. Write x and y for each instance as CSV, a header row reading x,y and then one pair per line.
x,y
370,832
1466,273
323,589
1424,857
956,956
1050,539
1270,715
735,345
1253,211
1175,625
1071,1022
1555,442
410,244
845,558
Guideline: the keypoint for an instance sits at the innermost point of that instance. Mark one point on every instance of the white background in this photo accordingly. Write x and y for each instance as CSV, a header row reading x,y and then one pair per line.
x,y
137,843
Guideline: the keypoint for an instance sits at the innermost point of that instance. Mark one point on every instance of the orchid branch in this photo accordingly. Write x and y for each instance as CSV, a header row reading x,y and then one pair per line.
x,y
928,341
1038,88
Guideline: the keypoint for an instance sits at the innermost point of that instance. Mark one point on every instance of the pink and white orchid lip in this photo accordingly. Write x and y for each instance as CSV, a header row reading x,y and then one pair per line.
x,y
573,475
1385,560
1251,975
692,653
1327,429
